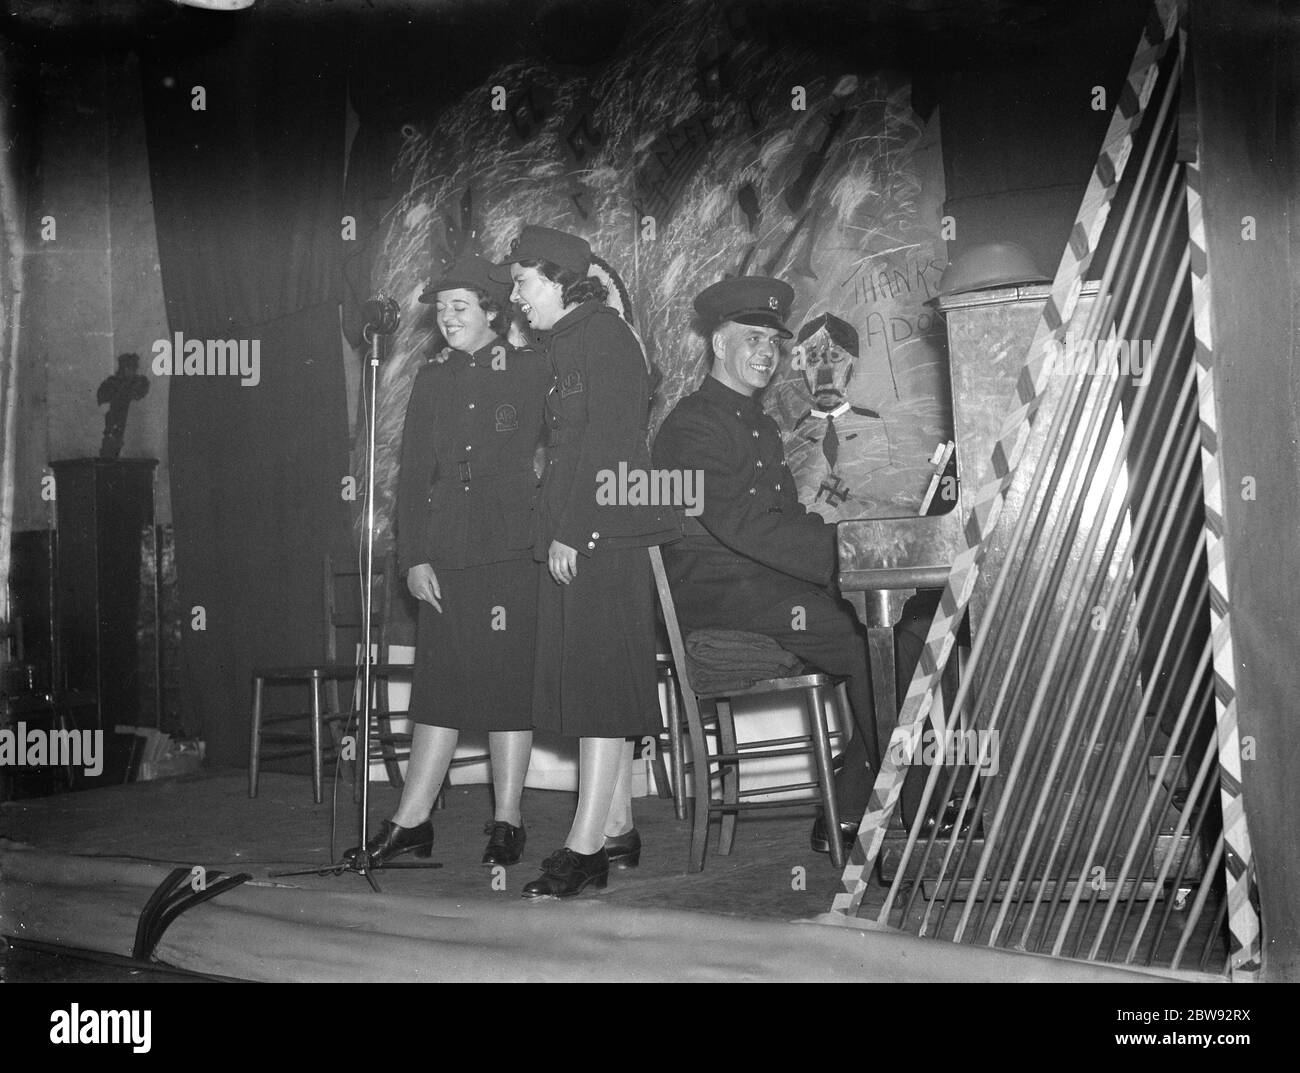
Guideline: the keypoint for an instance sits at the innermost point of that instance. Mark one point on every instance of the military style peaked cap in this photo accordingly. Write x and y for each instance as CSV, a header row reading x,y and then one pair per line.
x,y
757,300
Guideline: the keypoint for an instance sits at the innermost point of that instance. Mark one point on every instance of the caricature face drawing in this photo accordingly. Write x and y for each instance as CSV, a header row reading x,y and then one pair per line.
x,y
826,369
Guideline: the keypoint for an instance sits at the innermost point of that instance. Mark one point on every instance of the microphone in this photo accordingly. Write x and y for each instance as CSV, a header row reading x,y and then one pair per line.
x,y
381,315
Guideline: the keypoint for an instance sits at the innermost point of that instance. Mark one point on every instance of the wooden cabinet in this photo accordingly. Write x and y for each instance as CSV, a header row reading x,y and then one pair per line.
x,y
106,598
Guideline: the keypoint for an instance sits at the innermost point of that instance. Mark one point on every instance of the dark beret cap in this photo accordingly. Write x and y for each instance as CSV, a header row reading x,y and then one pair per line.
x,y
468,272
546,244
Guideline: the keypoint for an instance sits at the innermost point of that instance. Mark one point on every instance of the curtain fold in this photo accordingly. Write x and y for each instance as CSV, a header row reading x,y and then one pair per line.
x,y
245,133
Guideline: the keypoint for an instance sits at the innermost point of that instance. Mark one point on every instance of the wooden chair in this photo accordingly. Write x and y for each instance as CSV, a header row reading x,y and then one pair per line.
x,y
667,673
328,716
727,760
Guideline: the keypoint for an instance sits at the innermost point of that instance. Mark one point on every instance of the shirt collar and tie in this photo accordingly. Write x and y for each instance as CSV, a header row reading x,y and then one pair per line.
x,y
831,438
839,411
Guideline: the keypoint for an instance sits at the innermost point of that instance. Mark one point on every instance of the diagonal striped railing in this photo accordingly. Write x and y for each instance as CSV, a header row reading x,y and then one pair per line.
x,y
1243,900
1098,832
1066,288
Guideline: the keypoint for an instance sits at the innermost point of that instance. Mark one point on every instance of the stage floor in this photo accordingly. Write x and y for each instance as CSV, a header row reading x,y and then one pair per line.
x,y
78,868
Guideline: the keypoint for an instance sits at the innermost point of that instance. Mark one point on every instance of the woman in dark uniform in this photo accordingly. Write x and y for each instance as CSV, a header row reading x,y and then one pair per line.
x,y
464,534
596,625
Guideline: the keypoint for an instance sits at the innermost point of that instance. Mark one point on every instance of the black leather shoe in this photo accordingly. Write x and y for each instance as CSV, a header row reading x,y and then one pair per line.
x,y
565,873
624,851
505,842
392,841
819,841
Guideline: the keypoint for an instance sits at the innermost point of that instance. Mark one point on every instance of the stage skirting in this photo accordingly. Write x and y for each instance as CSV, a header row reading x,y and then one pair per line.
x,y
270,930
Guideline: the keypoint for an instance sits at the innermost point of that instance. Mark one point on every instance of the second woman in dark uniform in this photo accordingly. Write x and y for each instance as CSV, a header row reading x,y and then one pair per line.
x,y
464,536
596,623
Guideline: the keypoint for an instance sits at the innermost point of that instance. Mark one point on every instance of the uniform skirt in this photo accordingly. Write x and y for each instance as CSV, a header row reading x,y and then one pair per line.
x,y
596,649
474,661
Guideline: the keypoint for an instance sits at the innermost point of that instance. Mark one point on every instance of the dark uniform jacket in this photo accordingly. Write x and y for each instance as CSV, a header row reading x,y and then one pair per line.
x,y
753,530
467,487
596,419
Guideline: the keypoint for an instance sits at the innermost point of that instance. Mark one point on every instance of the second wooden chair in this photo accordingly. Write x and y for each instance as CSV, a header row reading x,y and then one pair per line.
x,y
815,690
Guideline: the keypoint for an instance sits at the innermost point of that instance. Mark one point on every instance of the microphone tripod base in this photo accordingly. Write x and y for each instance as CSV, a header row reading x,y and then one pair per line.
x,y
359,864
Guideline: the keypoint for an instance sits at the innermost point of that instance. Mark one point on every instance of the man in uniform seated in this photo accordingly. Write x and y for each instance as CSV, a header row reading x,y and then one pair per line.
x,y
755,559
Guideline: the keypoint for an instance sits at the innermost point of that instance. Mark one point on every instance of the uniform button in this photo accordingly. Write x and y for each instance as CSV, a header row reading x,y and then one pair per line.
x,y
737,413
755,433
466,487
469,447
778,487
471,406
760,463
753,491
591,544
595,536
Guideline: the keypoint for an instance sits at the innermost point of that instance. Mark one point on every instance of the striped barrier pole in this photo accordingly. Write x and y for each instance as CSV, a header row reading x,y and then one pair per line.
x,y
1245,936
1012,438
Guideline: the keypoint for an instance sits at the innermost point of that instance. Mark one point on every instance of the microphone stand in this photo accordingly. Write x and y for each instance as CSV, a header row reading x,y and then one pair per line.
x,y
382,318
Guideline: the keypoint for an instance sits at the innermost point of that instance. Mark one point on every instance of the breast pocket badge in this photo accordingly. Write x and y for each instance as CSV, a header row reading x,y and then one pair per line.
x,y
507,418
571,384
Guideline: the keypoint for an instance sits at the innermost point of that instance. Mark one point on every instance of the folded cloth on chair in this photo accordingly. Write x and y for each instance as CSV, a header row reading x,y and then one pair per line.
x,y
719,661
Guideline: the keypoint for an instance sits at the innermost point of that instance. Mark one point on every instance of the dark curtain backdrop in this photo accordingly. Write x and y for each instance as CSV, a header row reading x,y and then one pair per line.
x,y
247,199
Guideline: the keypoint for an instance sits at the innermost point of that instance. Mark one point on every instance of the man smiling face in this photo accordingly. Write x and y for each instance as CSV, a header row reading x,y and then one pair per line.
x,y
745,356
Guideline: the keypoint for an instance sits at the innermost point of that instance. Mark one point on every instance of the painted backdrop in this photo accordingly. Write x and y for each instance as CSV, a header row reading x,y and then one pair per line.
x,y
705,148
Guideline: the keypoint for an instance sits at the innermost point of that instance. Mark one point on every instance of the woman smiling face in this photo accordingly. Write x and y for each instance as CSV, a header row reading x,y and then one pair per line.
x,y
539,299
462,320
